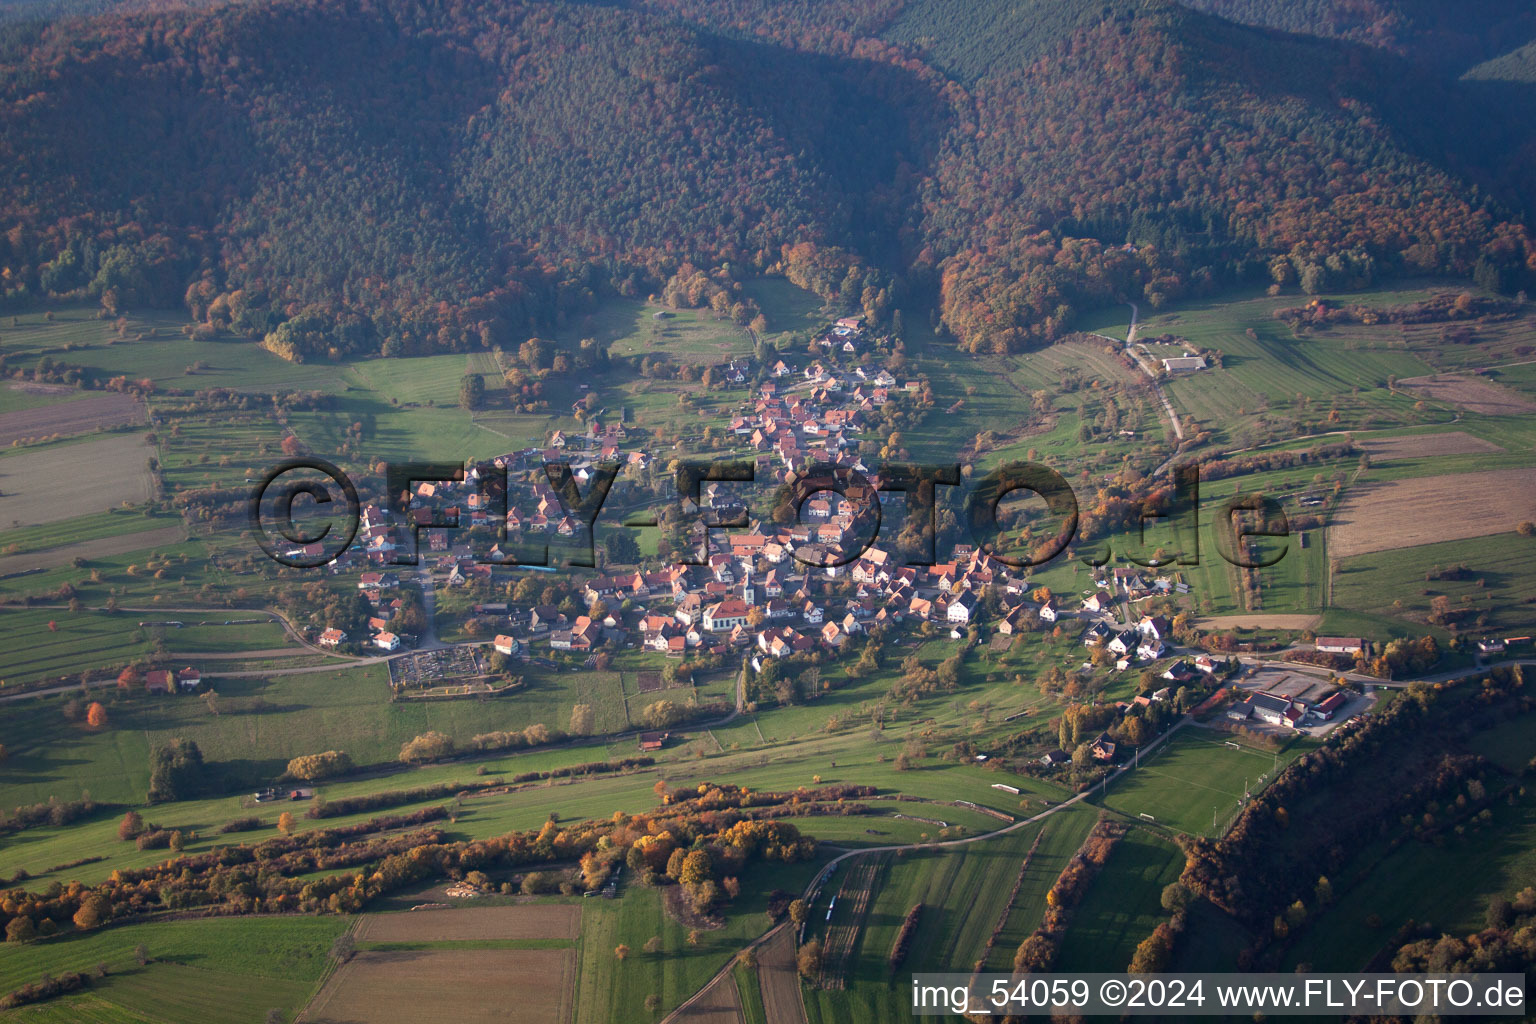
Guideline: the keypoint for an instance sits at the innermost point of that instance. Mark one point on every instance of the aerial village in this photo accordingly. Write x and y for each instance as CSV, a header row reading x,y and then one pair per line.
x,y
764,590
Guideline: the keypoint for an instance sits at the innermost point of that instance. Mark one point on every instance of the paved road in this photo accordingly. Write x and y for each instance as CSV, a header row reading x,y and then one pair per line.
x,y
429,640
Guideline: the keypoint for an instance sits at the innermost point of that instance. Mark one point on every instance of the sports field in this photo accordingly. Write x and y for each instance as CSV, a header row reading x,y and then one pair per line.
x,y
1193,780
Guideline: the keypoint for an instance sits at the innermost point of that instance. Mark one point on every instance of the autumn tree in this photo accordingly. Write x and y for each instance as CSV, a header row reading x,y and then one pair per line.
x,y
583,720
285,823
429,746
93,911
808,959
621,951
131,826
472,391
96,715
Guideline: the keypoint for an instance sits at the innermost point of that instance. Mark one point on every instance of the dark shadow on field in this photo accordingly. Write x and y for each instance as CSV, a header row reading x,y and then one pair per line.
x,y
243,772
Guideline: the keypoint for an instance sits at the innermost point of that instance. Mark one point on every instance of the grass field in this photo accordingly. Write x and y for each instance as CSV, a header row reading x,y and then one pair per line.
x,y
200,971
611,990
261,724
962,891
77,641
686,335
750,992
78,530
1495,859
1496,592
1271,382
1194,777
1123,905
75,336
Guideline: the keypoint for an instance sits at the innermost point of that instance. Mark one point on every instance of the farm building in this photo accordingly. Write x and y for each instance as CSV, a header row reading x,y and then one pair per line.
x,y
332,638
157,681
387,641
1184,364
1328,708
505,644
1340,644
652,740
189,678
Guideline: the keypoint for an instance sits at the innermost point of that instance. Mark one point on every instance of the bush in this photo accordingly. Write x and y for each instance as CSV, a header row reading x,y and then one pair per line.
x,y
159,839
240,825
48,988
429,746
312,767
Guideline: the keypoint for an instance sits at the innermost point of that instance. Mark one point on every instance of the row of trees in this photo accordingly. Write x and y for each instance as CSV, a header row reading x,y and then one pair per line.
x,y
719,830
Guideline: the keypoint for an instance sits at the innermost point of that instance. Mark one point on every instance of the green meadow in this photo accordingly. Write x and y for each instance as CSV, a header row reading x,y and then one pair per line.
x,y
1196,778
208,971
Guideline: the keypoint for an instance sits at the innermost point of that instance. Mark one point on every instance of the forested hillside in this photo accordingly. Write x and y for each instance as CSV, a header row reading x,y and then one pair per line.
x,y
366,175
1450,34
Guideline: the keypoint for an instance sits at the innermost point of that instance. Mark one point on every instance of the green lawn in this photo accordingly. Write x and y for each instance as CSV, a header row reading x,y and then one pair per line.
x,y
1194,777
79,529
751,992
1501,581
1494,859
264,722
1271,381
76,641
200,971
76,337
962,890
1123,905
611,990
